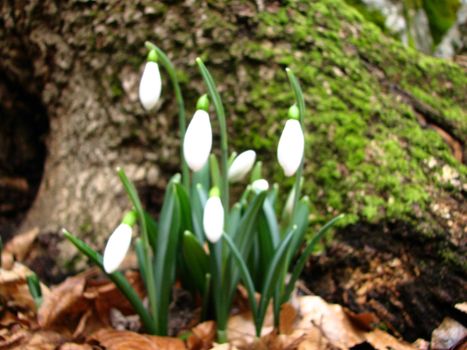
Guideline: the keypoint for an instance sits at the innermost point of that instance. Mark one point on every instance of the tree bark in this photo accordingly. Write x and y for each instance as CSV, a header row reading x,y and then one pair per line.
x,y
367,153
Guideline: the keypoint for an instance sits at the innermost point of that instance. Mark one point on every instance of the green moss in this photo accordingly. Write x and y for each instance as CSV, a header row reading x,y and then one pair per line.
x,y
366,152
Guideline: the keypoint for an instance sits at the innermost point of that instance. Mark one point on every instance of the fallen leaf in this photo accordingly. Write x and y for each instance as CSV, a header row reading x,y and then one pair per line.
x,y
448,335
20,245
288,318
461,307
122,340
364,320
14,289
202,336
382,340
74,346
65,302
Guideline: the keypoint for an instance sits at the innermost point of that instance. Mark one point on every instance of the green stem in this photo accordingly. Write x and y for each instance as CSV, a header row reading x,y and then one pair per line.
x,y
150,282
169,67
301,108
219,107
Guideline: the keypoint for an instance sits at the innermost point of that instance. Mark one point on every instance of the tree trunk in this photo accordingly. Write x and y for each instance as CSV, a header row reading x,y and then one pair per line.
x,y
384,128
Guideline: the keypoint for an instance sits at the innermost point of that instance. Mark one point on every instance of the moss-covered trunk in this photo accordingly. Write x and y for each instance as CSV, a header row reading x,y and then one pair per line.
x,y
384,128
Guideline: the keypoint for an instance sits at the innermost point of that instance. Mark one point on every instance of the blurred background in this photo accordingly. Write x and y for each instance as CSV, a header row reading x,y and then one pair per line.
x,y
385,85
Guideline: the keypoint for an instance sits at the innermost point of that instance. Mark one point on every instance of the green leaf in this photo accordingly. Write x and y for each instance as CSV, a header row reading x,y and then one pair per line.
x,y
139,249
118,279
198,201
185,209
34,286
234,218
306,253
166,254
197,261
271,280
245,275
152,230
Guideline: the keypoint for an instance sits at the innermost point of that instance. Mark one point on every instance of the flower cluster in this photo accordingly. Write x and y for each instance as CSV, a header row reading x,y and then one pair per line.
x,y
200,238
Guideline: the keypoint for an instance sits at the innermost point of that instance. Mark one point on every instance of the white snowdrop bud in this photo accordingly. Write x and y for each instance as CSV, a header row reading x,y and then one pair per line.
x,y
260,185
213,217
198,140
291,147
150,85
116,248
241,165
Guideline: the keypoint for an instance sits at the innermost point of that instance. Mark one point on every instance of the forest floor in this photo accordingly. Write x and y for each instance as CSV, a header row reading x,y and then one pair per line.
x,y
86,312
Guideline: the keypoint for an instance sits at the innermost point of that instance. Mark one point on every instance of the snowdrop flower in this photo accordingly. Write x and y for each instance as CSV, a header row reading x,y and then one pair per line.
x,y
241,165
198,137
291,144
213,217
118,243
260,185
150,85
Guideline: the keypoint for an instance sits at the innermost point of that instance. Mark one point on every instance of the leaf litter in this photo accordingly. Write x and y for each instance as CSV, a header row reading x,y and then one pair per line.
x,y
87,312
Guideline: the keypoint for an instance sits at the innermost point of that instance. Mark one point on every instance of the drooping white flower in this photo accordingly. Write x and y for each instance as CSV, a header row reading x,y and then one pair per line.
x,y
260,185
150,85
291,147
241,165
116,248
213,217
198,140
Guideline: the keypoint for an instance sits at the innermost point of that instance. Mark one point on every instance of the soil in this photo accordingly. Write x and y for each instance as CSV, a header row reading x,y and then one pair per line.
x,y
393,276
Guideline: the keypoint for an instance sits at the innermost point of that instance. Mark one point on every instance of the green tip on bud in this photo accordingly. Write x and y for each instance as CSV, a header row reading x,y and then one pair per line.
x,y
152,56
203,103
130,218
294,113
215,192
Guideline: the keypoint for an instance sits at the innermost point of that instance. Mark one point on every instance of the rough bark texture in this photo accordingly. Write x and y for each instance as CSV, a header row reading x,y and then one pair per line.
x,y
384,128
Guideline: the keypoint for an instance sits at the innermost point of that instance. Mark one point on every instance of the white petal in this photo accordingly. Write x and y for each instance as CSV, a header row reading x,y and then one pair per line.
x,y
213,219
150,85
291,147
198,140
241,165
117,247
260,185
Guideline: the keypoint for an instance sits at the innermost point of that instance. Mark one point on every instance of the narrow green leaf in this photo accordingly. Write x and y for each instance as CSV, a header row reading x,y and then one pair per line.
x,y
202,177
245,275
234,218
152,230
198,201
197,261
166,254
139,249
34,287
206,297
185,209
306,253
271,279
118,279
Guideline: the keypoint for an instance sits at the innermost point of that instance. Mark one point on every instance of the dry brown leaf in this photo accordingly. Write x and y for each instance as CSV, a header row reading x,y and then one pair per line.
x,y
43,340
461,307
21,244
448,335
364,320
288,318
14,289
64,303
7,260
225,346
124,340
202,336
382,340
74,346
